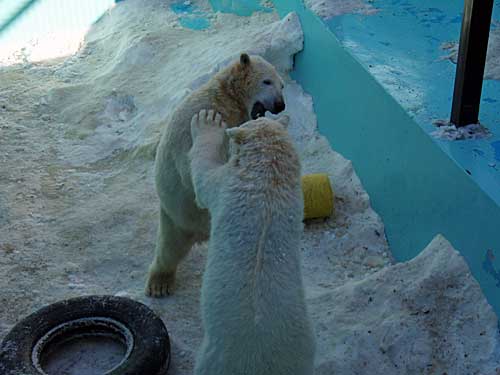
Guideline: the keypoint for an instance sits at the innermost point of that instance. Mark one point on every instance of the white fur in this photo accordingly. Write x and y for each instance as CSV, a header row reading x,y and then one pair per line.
x,y
252,300
232,92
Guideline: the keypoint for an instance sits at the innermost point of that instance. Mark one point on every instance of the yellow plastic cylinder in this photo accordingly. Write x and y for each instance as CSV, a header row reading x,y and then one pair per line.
x,y
318,196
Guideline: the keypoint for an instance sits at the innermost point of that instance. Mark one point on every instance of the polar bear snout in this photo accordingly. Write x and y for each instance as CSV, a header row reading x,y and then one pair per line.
x,y
279,106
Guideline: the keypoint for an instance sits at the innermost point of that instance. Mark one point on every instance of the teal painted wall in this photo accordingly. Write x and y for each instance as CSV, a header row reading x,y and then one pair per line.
x,y
416,188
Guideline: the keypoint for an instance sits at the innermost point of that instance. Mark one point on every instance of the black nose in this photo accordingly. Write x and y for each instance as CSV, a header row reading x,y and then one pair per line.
x,y
279,106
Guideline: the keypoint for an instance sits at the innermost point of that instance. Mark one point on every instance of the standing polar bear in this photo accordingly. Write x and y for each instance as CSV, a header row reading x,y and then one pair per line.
x,y
245,90
252,300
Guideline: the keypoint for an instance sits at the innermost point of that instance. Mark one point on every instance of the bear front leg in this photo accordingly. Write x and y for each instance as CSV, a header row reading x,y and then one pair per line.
x,y
172,245
207,131
208,360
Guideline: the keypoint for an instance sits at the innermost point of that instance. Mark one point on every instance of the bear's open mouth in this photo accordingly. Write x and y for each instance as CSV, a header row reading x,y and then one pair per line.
x,y
258,110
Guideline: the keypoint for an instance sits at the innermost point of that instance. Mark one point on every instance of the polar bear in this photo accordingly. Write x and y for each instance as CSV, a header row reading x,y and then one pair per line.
x,y
252,300
244,90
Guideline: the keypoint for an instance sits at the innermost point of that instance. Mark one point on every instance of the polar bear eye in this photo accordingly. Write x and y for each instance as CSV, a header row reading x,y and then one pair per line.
x,y
267,82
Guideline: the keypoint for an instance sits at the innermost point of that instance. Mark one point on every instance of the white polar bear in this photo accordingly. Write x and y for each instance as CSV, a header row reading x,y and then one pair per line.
x,y
252,300
244,90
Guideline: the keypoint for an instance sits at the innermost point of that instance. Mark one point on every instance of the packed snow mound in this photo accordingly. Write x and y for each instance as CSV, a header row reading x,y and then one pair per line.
x,y
425,316
138,67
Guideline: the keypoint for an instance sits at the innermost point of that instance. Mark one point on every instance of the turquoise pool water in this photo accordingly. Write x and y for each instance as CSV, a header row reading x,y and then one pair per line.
x,y
192,17
239,7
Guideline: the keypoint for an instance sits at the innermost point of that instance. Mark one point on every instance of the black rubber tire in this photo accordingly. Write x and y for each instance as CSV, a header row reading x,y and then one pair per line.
x,y
150,354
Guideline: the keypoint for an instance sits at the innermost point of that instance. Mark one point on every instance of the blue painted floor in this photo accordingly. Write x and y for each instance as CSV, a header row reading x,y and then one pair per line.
x,y
401,45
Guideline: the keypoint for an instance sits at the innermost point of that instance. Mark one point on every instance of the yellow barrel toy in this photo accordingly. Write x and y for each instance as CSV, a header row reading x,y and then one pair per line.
x,y
318,196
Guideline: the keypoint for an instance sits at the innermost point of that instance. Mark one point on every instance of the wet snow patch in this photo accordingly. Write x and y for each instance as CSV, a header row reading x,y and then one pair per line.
x,y
450,132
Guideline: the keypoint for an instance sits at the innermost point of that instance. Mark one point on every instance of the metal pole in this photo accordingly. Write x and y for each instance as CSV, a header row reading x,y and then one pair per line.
x,y
471,61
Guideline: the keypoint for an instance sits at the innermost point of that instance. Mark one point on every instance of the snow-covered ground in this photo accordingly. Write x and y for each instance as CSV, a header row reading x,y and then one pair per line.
x,y
78,209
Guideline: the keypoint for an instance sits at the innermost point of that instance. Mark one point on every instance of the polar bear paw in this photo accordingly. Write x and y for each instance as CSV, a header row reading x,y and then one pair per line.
x,y
160,283
208,123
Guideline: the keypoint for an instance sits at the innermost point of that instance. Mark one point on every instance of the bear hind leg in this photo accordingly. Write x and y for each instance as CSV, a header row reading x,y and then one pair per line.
x,y
172,245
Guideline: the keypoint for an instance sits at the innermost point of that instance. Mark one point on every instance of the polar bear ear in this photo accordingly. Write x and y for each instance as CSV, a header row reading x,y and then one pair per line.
x,y
284,120
244,59
237,134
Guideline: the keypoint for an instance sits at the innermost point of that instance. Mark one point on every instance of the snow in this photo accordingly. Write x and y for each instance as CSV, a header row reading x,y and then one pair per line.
x,y
450,132
78,208
426,316
34,38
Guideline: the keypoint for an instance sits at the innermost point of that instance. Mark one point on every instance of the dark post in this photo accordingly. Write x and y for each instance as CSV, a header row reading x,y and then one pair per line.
x,y
471,61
